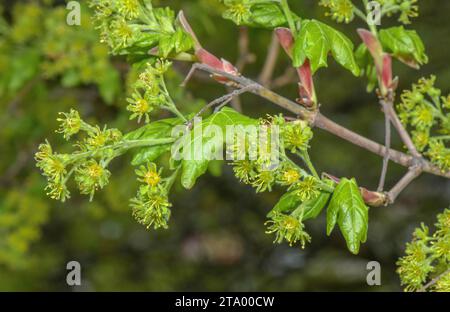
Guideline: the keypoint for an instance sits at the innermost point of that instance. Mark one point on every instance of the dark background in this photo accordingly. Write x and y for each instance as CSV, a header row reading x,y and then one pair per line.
x,y
216,239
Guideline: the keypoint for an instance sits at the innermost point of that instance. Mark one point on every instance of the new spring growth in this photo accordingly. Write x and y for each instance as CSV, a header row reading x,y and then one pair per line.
x,y
134,26
427,257
344,11
426,113
151,205
150,93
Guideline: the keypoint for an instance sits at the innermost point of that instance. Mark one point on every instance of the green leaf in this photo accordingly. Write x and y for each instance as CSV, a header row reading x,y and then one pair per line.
x,y
267,15
405,45
316,40
264,14
342,50
155,130
312,42
288,202
311,208
348,209
367,65
202,145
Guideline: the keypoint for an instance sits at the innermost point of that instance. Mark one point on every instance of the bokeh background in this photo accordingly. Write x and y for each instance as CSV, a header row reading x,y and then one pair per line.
x,y
216,239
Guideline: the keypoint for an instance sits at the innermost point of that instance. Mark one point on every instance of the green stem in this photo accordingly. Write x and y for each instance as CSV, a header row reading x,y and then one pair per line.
x,y
372,27
323,186
171,180
389,9
171,107
122,147
438,112
305,156
442,137
360,14
287,12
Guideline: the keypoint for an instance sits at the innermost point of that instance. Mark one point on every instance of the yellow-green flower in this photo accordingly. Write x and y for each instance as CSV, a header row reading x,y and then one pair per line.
x,y
90,177
296,136
339,10
151,209
238,11
307,188
287,227
149,175
70,123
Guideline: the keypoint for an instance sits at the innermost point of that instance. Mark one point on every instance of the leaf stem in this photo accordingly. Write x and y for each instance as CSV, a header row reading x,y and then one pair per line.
x,y
288,13
307,160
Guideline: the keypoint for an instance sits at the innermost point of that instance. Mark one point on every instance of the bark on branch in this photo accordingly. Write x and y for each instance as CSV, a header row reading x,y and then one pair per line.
x,y
316,119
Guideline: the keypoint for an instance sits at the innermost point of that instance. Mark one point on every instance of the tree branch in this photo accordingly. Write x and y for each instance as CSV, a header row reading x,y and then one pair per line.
x,y
318,120
387,144
434,281
269,65
404,135
410,176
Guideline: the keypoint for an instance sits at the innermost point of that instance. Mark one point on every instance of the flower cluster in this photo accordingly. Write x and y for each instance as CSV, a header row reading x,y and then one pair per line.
x,y
406,8
149,92
296,136
288,228
426,113
257,172
151,206
427,255
134,26
87,165
339,10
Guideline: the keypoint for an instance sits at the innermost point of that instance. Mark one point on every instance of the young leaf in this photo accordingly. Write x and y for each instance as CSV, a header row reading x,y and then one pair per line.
x,y
288,202
267,15
367,65
264,14
348,209
316,40
342,50
311,209
404,44
312,42
202,145
155,130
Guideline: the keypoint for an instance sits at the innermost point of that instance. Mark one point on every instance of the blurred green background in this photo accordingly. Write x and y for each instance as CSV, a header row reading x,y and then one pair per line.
x,y
216,239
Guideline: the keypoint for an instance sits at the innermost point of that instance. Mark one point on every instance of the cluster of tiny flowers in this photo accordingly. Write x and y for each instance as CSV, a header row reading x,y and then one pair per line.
x,y
87,164
406,8
426,255
295,137
134,26
53,167
426,113
149,91
151,206
287,228
339,10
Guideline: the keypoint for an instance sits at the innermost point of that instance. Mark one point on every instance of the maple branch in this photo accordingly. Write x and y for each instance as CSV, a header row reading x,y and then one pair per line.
x,y
404,135
434,281
316,119
387,144
410,176
269,65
